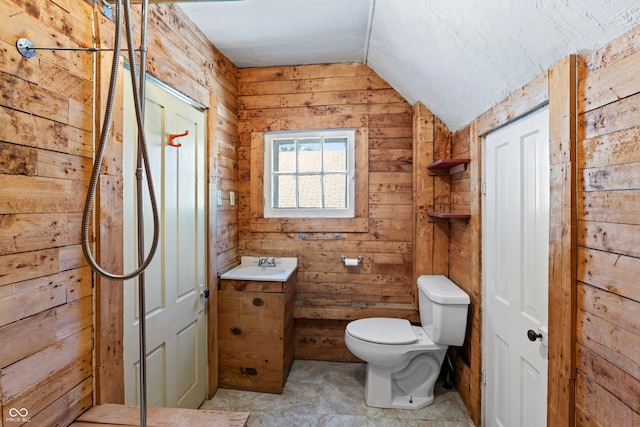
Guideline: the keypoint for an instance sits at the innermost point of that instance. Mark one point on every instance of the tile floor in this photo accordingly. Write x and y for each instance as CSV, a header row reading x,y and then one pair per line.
x,y
331,394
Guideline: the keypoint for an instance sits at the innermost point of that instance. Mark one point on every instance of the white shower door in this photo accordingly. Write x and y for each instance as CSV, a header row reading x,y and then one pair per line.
x,y
176,341
515,266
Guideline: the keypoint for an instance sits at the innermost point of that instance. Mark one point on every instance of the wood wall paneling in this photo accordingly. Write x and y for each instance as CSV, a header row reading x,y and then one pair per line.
x,y
608,301
594,207
204,75
108,205
423,192
329,294
522,101
46,304
46,142
46,145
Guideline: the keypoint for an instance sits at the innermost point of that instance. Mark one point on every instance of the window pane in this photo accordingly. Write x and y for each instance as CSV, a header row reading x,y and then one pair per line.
x,y
335,154
284,159
309,155
309,191
309,174
335,191
284,192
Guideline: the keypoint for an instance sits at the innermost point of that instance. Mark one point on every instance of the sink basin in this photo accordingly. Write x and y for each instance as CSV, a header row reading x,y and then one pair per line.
x,y
250,270
258,271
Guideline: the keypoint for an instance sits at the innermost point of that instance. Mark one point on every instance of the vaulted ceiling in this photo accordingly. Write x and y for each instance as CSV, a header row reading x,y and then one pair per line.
x,y
457,57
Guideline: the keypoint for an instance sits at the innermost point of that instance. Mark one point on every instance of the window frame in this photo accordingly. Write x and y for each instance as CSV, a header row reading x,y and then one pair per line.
x,y
253,153
297,212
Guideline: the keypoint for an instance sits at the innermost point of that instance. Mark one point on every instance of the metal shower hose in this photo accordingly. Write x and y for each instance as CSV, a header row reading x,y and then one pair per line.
x,y
106,126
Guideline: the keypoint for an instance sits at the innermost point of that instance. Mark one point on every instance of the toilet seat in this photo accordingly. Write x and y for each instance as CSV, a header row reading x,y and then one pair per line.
x,y
383,330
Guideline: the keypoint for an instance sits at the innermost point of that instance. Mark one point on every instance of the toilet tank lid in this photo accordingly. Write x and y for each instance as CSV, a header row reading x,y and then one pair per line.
x,y
442,290
382,330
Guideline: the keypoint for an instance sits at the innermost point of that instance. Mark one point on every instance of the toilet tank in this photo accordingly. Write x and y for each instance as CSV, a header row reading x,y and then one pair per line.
x,y
443,309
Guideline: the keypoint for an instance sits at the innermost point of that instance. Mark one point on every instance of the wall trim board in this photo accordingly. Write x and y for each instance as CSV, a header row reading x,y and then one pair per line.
x,y
563,139
212,244
465,268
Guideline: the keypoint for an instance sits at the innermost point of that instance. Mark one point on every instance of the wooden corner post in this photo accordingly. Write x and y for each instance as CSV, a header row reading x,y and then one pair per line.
x,y
563,89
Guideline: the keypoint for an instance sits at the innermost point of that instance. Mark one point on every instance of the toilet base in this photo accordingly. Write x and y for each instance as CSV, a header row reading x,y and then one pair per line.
x,y
404,402
409,388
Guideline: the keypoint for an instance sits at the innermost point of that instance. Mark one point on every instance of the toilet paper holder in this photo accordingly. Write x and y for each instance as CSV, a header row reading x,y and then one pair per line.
x,y
351,262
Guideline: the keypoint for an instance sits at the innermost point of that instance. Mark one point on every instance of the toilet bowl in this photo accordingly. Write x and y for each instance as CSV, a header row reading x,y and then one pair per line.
x,y
404,360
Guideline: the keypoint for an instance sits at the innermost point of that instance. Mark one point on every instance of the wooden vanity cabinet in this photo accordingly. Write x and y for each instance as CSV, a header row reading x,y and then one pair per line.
x,y
255,334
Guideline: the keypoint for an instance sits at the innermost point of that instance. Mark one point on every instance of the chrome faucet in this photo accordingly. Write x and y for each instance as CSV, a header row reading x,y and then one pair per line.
x,y
266,262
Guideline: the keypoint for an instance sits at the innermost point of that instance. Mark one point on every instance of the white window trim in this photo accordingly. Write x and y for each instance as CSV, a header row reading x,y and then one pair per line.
x,y
348,212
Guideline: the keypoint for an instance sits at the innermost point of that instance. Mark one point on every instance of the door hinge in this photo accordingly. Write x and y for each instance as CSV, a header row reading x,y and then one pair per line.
x,y
484,188
484,377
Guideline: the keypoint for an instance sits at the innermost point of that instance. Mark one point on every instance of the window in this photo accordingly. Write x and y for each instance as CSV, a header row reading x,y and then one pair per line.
x,y
309,174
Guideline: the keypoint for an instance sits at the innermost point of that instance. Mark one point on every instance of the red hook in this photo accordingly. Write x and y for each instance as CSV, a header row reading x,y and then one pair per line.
x,y
173,136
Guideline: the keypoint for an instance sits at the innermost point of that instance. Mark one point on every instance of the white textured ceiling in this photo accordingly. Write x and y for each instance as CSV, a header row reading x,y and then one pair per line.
x,y
457,57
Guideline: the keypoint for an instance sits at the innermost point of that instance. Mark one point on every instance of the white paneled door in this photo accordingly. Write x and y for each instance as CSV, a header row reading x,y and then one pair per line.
x,y
175,281
515,272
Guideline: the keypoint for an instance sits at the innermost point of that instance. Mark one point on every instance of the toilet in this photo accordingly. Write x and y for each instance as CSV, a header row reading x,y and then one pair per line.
x,y
403,360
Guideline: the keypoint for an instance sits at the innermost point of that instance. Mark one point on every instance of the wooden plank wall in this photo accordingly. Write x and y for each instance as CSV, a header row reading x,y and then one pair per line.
x,y
203,74
46,308
608,291
329,294
432,191
46,303
606,322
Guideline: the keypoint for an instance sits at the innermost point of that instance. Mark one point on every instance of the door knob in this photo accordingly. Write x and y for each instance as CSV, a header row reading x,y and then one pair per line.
x,y
205,293
532,335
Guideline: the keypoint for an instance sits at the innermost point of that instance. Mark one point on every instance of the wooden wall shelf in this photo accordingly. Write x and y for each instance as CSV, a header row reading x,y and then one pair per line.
x,y
449,215
447,163
443,166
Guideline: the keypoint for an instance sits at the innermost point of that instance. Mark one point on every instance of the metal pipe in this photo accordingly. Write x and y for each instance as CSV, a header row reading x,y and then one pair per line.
x,y
143,159
78,49
141,278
